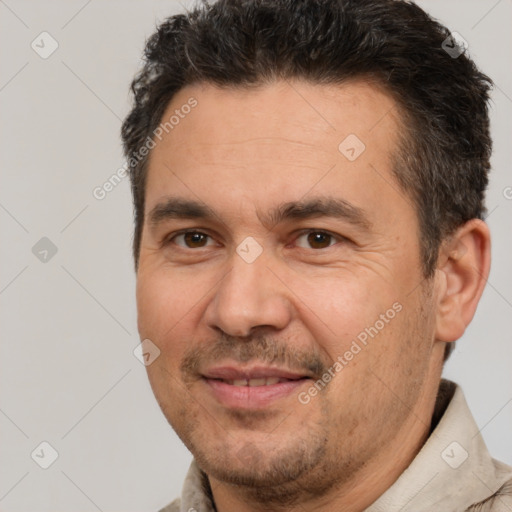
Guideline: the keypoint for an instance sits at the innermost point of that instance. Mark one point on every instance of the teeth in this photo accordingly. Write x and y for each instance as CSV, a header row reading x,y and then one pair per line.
x,y
256,382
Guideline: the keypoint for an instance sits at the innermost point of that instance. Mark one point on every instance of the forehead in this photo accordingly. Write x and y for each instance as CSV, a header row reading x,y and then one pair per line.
x,y
292,110
276,141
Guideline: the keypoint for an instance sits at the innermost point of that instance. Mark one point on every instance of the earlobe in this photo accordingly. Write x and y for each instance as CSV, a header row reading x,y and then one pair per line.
x,y
463,269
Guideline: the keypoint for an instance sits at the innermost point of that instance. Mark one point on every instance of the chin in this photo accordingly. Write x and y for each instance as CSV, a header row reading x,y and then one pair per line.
x,y
255,459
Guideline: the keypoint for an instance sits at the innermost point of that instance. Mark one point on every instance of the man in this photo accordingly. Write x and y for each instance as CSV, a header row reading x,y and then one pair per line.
x,y
308,181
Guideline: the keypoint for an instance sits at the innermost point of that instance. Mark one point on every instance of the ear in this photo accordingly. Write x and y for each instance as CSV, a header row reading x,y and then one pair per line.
x,y
462,272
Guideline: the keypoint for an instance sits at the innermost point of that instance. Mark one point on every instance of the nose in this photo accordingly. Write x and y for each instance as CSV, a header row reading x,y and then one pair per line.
x,y
250,296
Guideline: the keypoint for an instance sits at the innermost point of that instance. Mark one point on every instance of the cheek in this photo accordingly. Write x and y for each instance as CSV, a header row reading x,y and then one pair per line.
x,y
339,309
165,308
165,305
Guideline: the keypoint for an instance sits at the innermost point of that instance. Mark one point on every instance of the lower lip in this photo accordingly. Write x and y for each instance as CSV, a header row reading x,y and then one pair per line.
x,y
252,397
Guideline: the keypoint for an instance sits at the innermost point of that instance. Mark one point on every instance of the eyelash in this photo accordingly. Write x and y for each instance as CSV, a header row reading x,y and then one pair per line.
x,y
301,233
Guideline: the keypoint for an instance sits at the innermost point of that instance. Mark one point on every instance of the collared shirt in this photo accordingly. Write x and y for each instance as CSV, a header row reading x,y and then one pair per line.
x,y
453,472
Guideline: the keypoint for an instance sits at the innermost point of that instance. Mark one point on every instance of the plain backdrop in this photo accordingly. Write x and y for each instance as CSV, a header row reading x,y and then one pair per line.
x,y
68,374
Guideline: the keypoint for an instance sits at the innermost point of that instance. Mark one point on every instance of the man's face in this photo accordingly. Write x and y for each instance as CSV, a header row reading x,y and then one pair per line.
x,y
271,288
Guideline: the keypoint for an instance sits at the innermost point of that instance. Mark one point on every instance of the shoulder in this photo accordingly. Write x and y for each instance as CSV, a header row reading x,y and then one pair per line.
x,y
172,507
498,501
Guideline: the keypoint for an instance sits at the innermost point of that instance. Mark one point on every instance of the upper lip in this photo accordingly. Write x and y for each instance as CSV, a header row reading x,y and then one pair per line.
x,y
254,372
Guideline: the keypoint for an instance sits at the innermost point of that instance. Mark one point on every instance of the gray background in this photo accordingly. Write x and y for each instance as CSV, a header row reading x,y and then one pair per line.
x,y
68,375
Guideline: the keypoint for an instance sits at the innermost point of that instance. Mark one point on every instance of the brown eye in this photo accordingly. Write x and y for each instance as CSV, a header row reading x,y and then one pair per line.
x,y
316,240
191,239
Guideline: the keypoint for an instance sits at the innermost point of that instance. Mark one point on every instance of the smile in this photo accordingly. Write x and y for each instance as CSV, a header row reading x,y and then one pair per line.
x,y
251,388
269,381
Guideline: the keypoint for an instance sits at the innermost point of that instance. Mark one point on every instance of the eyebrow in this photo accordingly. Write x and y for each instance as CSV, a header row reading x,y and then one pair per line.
x,y
178,208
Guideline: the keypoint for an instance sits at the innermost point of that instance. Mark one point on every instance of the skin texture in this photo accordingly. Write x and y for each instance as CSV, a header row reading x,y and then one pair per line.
x,y
303,301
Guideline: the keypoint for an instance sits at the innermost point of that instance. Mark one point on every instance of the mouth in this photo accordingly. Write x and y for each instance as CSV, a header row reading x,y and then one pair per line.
x,y
256,382
251,388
